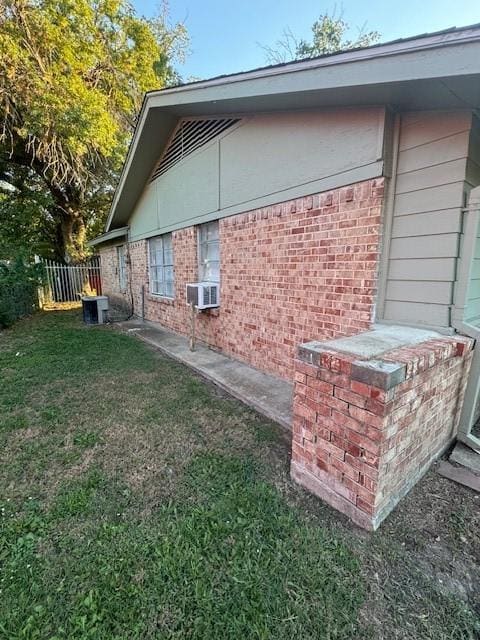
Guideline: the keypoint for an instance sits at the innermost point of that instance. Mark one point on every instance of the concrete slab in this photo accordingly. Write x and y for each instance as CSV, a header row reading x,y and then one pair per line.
x,y
460,475
269,395
371,344
466,457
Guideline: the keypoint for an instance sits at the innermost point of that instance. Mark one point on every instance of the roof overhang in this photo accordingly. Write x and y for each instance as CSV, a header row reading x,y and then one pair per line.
x,y
115,234
436,71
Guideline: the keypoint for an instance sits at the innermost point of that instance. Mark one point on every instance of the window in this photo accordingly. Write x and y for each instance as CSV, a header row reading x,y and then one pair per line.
x,y
161,266
209,252
122,268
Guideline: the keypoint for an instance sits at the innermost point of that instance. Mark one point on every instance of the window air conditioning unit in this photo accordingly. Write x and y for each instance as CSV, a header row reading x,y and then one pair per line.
x,y
204,295
95,309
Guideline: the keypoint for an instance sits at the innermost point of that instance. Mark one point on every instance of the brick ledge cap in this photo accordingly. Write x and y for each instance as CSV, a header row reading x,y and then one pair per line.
x,y
378,373
395,364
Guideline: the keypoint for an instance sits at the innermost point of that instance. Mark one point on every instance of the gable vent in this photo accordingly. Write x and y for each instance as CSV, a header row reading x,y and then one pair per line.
x,y
189,136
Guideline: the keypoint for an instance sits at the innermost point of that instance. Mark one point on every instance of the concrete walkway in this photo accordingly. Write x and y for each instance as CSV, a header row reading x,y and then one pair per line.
x,y
270,396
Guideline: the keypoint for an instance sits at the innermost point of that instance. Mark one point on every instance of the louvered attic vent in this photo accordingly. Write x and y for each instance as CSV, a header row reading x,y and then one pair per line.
x,y
189,136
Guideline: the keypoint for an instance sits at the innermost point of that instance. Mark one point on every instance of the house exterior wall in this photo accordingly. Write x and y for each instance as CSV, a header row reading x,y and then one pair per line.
x,y
364,432
297,267
299,270
429,192
263,160
110,270
472,311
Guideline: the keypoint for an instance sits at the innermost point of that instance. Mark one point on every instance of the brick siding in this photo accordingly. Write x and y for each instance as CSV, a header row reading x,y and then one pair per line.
x,y
109,269
364,432
296,271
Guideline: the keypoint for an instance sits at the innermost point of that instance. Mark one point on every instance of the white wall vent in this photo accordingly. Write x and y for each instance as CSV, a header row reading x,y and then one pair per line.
x,y
189,136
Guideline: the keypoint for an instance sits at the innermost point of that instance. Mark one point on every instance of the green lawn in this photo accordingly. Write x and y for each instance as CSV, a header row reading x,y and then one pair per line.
x,y
138,501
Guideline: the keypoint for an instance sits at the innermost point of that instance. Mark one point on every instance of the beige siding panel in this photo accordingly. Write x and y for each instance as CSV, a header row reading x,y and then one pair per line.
x,y
448,196
439,151
432,180
190,188
264,160
436,246
433,269
145,216
421,128
421,291
271,154
352,176
434,176
175,202
422,224
417,313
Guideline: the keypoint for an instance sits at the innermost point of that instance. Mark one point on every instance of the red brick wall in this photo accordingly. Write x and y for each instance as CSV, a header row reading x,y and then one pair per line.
x,y
300,270
361,439
109,269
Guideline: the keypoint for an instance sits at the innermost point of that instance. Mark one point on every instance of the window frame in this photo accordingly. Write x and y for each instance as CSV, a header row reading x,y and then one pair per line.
x,y
202,242
162,292
122,267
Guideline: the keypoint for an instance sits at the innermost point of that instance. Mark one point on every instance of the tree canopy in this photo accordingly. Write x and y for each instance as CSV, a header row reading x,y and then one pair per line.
x,y
72,77
329,34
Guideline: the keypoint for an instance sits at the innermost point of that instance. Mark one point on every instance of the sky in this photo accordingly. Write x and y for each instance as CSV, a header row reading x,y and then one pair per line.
x,y
227,36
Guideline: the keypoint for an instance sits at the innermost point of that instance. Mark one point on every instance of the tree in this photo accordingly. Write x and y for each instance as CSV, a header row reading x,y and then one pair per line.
x,y
72,77
328,36
26,226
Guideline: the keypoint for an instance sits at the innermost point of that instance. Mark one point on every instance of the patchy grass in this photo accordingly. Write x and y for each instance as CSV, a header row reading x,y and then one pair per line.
x,y
138,501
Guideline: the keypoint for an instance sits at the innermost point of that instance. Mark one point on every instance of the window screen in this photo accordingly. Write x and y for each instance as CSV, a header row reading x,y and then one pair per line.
x,y
161,266
209,252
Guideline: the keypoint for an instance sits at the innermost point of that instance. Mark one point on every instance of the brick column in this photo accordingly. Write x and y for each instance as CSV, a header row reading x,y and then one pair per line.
x,y
366,429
